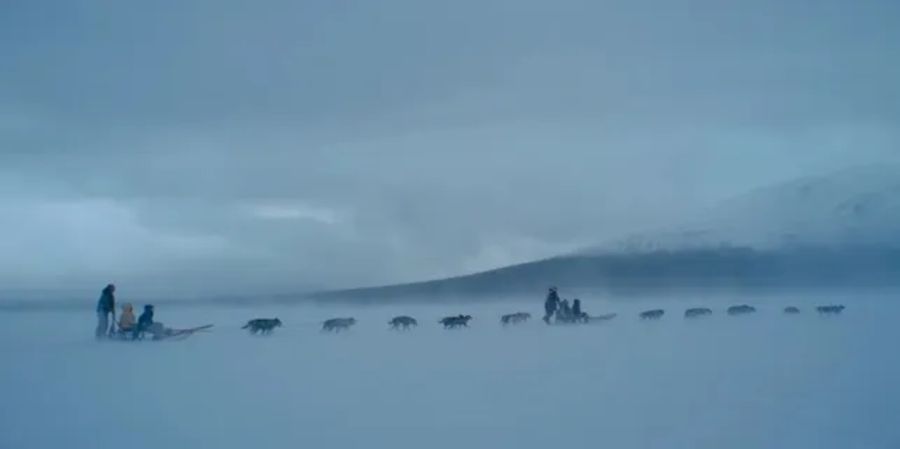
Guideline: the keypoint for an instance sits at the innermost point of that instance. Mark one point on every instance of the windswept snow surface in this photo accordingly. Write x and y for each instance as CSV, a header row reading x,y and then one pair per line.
x,y
762,381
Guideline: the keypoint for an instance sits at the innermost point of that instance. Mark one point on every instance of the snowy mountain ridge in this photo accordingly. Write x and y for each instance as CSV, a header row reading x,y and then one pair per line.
x,y
856,207
831,232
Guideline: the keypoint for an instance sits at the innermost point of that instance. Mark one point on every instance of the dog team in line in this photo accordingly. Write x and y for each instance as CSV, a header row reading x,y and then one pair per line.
x,y
556,311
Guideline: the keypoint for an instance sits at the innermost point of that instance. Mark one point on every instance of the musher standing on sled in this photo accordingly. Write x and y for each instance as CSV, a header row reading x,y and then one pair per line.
x,y
106,306
550,304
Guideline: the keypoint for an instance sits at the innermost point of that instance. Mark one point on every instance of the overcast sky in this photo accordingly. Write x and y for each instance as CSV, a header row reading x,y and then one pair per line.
x,y
208,147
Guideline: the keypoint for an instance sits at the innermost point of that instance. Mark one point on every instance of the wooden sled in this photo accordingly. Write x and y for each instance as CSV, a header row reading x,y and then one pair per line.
x,y
158,332
601,318
175,334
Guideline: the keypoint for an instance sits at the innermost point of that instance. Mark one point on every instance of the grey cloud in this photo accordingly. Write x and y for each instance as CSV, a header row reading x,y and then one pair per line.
x,y
439,139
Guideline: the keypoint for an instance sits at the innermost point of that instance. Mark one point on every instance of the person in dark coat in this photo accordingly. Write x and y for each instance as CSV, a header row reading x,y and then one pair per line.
x,y
551,304
144,322
106,306
577,314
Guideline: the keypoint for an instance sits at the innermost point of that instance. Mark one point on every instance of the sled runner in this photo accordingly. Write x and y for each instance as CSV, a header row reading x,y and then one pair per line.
x,y
175,334
158,332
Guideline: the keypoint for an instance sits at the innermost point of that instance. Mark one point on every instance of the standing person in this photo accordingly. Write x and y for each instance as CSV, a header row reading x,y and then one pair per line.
x,y
106,306
550,304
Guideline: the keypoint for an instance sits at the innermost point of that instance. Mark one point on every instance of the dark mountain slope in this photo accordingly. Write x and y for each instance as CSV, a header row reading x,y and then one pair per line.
x,y
735,269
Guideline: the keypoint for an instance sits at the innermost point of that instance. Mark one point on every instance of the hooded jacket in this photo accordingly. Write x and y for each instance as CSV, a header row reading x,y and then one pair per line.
x,y
552,302
126,320
146,319
107,301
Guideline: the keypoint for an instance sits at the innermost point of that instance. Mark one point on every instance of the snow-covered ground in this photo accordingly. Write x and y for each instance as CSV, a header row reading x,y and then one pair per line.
x,y
762,381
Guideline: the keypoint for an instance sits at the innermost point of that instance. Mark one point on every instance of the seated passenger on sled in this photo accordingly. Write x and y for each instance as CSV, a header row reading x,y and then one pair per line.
x,y
144,322
126,319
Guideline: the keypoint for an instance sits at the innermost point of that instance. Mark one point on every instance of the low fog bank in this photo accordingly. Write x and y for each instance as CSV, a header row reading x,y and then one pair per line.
x,y
724,270
765,380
